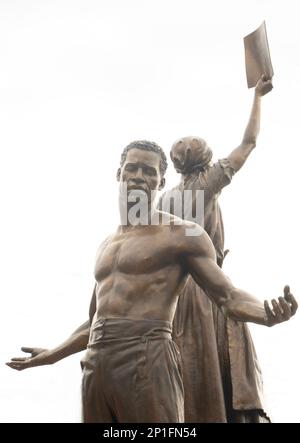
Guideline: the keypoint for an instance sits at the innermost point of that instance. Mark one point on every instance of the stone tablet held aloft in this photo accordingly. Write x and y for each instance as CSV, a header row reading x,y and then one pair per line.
x,y
257,56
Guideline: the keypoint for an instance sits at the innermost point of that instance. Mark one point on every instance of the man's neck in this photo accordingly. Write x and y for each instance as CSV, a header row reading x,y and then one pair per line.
x,y
146,216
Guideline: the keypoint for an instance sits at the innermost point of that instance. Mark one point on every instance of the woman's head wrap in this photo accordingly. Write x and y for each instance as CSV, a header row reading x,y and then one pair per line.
x,y
190,153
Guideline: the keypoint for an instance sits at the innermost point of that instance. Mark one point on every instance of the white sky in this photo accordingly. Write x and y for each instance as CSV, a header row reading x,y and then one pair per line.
x,y
78,81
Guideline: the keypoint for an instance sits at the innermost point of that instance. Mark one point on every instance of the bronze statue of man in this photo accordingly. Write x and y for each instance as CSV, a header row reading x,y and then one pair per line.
x,y
222,384
132,369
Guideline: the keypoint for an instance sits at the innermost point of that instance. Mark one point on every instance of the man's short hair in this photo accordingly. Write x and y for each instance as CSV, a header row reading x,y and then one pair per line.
x,y
146,145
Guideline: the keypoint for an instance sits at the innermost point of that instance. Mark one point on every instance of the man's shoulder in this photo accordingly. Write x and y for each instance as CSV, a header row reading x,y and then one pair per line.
x,y
184,233
193,239
175,223
168,219
109,238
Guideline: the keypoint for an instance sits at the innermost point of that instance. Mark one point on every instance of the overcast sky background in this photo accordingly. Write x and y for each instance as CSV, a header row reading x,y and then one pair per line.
x,y
78,81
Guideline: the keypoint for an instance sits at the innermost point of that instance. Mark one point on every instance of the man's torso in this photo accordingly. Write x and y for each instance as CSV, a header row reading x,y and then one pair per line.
x,y
139,273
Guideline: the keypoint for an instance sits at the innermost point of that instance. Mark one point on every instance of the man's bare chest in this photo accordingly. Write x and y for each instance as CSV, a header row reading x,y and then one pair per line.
x,y
135,253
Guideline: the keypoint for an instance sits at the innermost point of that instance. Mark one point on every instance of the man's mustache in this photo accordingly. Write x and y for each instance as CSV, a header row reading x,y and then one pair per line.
x,y
133,186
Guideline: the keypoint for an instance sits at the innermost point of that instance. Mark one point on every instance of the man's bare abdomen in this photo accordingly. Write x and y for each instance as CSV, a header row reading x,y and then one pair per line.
x,y
138,277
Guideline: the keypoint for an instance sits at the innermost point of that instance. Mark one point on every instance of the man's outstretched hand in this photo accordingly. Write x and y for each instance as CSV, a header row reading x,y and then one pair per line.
x,y
283,309
39,357
263,86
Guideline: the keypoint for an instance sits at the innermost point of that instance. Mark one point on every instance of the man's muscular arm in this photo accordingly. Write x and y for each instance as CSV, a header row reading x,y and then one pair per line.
x,y
200,262
239,155
77,342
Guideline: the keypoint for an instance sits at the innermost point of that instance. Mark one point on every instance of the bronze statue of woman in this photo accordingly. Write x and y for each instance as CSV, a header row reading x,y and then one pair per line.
x,y
221,375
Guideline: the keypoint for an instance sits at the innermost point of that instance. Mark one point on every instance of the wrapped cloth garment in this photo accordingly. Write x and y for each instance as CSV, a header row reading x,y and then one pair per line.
x,y
221,374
